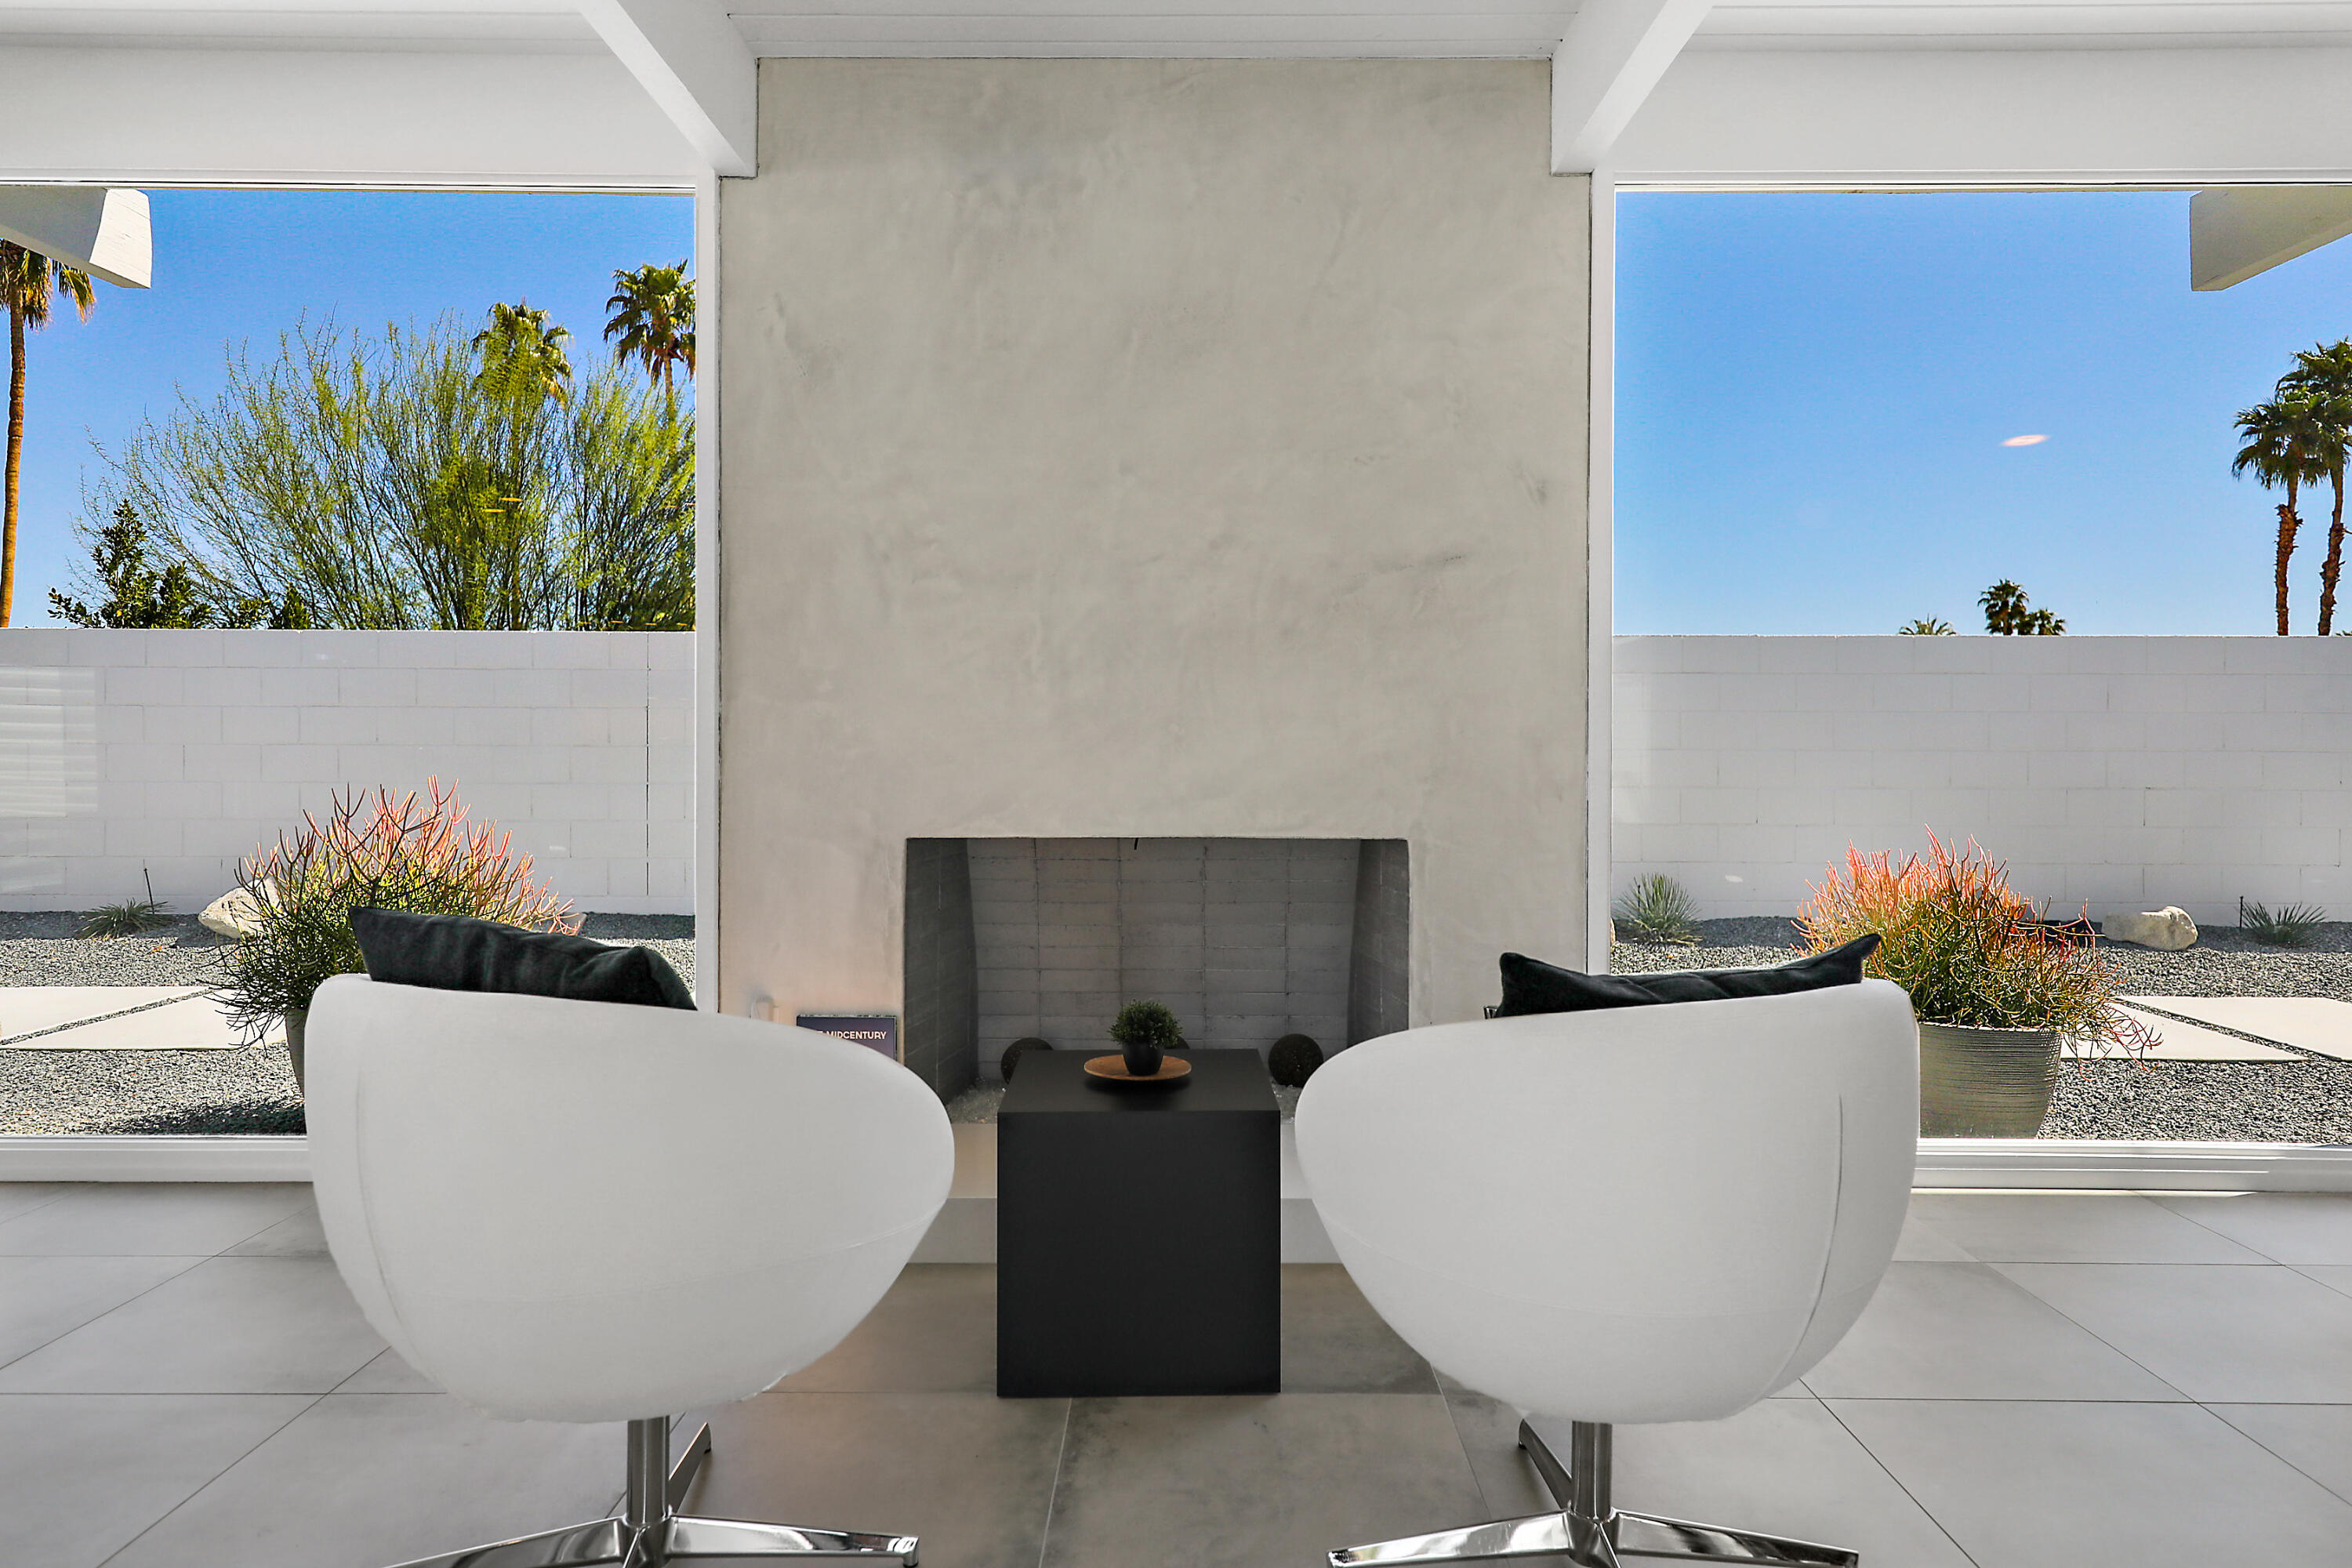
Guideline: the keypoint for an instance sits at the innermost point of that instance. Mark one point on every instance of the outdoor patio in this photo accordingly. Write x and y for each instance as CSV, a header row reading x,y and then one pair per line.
x,y
2088,1380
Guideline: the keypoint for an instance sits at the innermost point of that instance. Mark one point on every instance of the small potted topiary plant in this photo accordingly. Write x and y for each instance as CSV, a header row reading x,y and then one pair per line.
x,y
1144,1030
1998,990
377,851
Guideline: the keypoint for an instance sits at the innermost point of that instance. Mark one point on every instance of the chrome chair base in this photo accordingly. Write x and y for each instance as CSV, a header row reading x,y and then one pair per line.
x,y
651,1531
1589,1532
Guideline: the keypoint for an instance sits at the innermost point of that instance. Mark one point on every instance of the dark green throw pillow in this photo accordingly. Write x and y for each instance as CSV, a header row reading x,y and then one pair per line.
x,y
457,953
1532,986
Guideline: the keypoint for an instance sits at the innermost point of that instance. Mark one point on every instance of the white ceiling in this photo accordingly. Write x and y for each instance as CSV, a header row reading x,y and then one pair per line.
x,y
2024,24
407,25
1385,28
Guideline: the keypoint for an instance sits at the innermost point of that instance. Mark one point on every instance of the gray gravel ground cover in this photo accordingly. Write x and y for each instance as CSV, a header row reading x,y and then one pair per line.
x,y
248,1090
252,1089
2306,1102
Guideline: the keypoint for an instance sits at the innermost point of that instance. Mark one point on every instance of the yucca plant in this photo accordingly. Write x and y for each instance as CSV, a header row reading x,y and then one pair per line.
x,y
372,850
2293,925
130,916
1657,907
1968,949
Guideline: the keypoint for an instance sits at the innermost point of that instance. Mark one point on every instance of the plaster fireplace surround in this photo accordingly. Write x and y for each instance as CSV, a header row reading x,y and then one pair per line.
x,y
1192,450
1247,938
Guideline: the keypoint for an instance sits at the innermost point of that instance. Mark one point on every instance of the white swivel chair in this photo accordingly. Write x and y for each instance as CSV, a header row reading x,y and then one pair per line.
x,y
1641,1214
579,1211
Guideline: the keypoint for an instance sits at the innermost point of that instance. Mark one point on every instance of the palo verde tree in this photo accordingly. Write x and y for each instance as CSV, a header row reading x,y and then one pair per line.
x,y
426,478
140,594
29,283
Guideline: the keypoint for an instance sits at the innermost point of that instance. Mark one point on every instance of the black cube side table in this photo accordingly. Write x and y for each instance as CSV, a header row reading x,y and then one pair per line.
x,y
1139,1231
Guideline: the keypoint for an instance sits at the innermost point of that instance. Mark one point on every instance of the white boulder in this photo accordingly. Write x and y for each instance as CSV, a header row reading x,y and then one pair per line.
x,y
233,913
2169,928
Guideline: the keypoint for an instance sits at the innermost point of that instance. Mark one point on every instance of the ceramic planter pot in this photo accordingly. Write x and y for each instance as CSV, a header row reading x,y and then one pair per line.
x,y
1143,1057
294,1022
1984,1083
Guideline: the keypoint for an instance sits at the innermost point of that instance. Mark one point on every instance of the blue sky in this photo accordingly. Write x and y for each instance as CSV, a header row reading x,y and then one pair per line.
x,y
236,266
1813,390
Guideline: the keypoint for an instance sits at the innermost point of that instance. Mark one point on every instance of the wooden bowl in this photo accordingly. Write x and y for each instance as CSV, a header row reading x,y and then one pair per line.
x,y
1113,1069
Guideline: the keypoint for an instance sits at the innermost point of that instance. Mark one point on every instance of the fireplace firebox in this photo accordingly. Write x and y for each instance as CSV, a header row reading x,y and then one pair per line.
x,y
1247,938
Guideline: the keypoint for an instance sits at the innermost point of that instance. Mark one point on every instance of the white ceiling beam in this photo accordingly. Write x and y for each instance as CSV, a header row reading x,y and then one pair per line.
x,y
695,65
101,231
1614,53
2235,233
372,117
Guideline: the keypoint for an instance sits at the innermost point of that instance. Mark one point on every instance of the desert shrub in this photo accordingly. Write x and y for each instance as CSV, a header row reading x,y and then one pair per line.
x,y
381,851
2293,925
1968,949
1657,907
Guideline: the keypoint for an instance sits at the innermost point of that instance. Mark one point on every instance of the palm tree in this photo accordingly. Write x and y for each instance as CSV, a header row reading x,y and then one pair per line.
x,y
2284,442
28,281
2325,370
524,357
2009,612
653,315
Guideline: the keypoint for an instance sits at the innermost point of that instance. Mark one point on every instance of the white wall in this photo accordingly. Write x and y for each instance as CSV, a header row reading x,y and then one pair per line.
x,y
2127,773
1150,448
181,751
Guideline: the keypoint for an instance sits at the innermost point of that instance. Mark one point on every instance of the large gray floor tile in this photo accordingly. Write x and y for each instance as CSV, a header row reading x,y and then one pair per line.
x,y
934,1332
1921,1242
2073,1227
229,1325
81,1475
2256,1336
1960,1331
1252,1482
1333,1343
2053,1485
388,1373
1488,1431
361,1480
23,1198
177,1219
2335,1276
2290,1227
2315,1438
42,1298
298,1235
972,1474
1786,1466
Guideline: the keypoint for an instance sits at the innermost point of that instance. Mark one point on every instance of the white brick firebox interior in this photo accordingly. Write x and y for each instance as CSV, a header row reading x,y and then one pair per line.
x,y
1247,940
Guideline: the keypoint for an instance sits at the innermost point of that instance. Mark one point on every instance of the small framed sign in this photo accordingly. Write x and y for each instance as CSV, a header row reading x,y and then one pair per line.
x,y
878,1030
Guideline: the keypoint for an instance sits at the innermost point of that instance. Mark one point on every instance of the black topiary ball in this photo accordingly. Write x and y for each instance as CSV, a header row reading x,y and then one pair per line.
x,y
1294,1060
1016,1051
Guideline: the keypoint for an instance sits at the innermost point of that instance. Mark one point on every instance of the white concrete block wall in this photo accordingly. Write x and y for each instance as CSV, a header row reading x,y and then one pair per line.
x,y
179,752
2124,772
